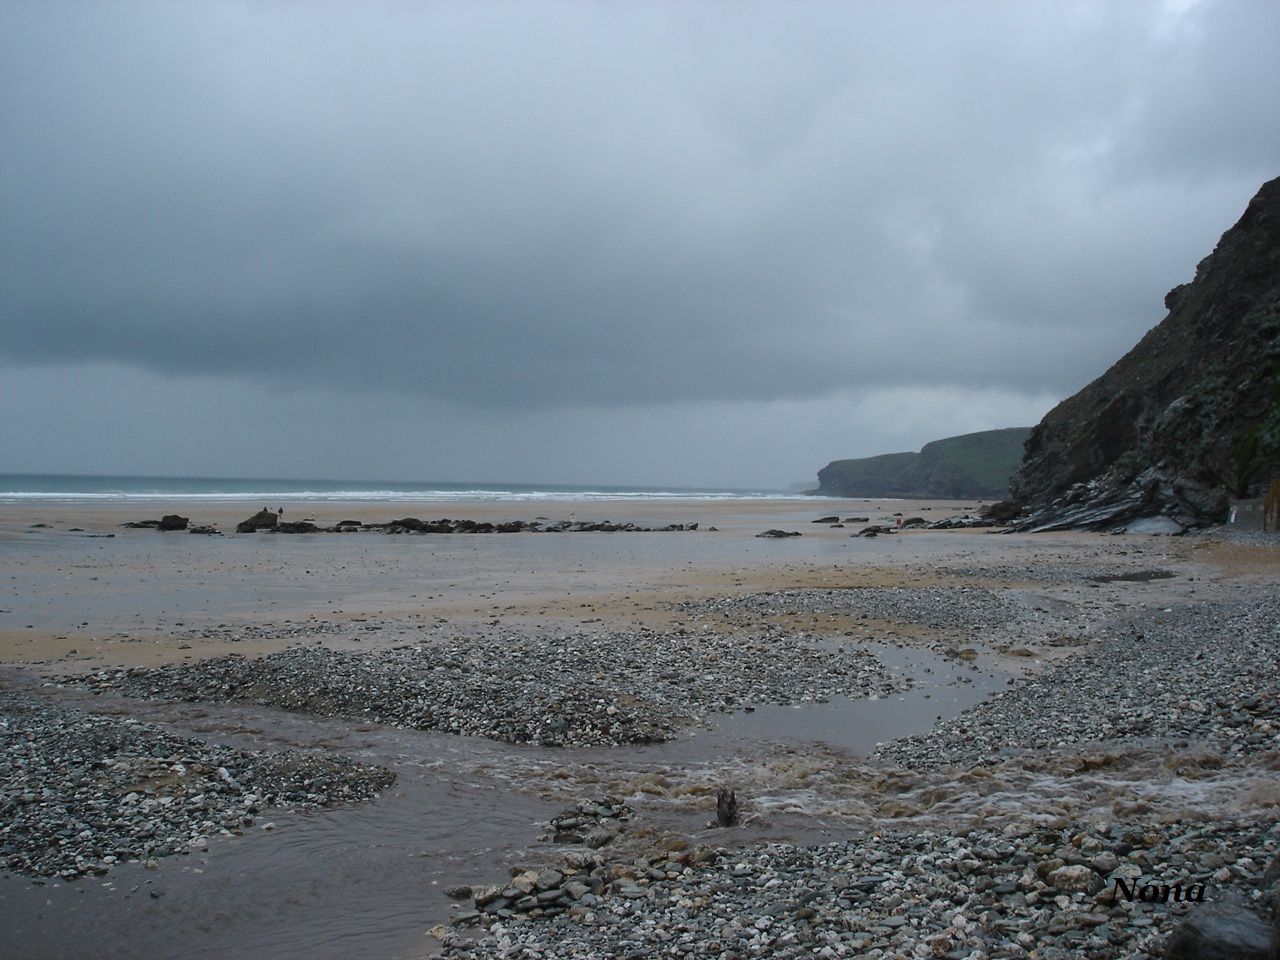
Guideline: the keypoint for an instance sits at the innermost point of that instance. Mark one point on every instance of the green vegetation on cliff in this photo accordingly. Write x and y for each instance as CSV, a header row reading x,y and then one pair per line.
x,y
972,465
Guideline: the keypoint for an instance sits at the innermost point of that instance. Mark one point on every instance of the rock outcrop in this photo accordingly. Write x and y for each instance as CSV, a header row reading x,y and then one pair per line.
x,y
264,519
972,465
1187,418
170,521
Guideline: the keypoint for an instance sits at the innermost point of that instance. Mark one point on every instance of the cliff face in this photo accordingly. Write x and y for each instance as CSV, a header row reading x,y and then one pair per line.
x,y
973,465
1187,417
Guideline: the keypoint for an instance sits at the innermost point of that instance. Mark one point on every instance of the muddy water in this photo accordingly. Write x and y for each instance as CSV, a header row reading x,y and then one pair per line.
x,y
368,881
363,881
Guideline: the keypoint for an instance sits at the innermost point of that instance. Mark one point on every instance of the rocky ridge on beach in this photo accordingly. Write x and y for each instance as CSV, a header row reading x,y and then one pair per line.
x,y
265,521
80,792
614,687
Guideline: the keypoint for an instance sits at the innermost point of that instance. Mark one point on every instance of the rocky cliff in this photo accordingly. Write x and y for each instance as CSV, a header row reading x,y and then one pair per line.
x,y
972,465
1188,417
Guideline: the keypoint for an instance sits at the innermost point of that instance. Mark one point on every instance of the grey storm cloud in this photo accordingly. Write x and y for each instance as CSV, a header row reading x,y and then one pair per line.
x,y
535,204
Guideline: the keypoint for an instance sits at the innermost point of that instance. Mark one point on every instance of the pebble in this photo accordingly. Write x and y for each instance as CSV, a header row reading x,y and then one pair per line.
x,y
81,792
1208,672
789,901
607,688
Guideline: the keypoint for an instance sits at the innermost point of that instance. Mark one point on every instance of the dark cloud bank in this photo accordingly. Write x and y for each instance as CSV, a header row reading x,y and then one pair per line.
x,y
563,231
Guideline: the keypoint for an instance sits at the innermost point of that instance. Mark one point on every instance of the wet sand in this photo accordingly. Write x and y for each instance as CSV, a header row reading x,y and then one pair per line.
x,y
368,881
142,596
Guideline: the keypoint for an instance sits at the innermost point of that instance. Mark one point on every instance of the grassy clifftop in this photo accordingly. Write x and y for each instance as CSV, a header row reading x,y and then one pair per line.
x,y
972,465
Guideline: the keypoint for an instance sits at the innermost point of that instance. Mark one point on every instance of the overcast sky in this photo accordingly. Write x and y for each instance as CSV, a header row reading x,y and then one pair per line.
x,y
662,243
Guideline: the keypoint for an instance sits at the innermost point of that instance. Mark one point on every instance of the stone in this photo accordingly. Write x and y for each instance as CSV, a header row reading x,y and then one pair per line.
x,y
1075,877
1222,932
548,879
262,520
1154,525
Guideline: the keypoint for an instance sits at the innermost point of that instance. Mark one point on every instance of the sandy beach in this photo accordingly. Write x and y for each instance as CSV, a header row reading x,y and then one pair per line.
x,y
538,724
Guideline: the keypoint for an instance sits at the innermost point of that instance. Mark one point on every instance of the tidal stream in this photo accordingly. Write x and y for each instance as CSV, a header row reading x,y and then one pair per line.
x,y
367,882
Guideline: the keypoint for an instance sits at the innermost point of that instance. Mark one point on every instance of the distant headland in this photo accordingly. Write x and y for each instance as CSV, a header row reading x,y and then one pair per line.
x,y
972,465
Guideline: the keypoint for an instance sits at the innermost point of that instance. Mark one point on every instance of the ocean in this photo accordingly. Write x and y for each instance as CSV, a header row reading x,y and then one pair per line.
x,y
59,488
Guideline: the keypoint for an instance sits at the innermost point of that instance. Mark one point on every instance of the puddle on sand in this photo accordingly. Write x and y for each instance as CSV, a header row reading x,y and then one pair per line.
x,y
367,881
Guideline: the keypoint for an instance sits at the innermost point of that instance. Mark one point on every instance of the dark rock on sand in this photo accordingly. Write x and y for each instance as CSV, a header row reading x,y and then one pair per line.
x,y
410,523
962,521
296,526
169,521
262,520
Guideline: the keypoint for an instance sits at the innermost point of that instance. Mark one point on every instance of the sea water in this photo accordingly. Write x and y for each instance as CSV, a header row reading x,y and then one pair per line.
x,y
19,487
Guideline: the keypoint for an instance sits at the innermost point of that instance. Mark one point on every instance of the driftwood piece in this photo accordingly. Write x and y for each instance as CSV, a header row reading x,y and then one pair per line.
x,y
726,807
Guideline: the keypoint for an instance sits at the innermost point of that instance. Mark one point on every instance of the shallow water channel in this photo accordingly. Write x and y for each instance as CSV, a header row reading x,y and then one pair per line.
x,y
368,881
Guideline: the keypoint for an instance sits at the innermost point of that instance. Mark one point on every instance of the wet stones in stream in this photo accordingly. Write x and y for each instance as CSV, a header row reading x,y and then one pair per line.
x,y
593,823
80,791
615,687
